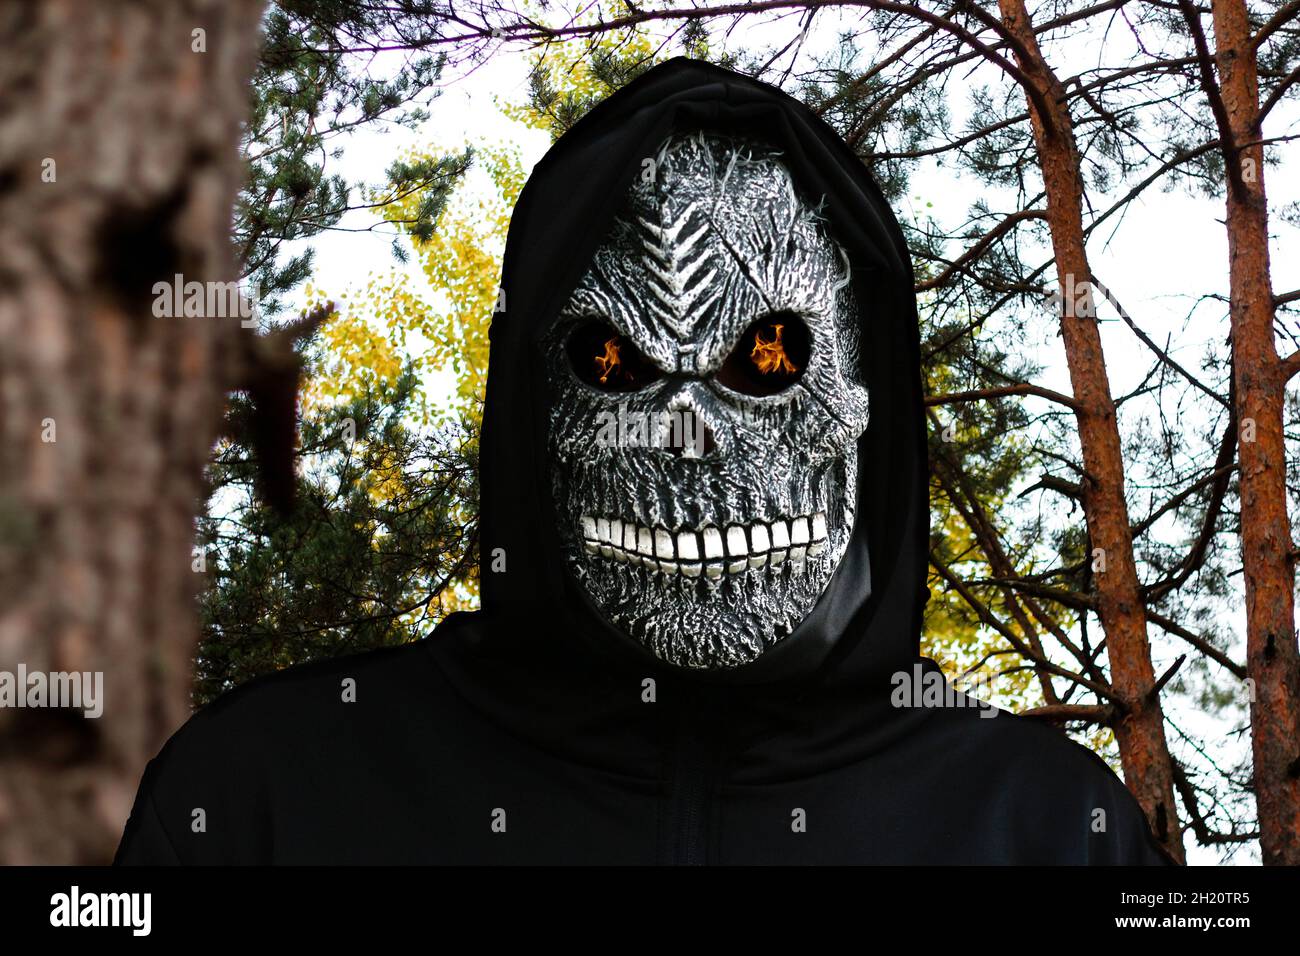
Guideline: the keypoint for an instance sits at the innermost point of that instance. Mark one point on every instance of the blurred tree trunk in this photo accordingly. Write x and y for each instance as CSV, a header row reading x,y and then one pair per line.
x,y
1139,731
119,126
1272,662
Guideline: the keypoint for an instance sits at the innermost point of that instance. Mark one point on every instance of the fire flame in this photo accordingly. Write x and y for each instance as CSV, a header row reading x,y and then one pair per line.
x,y
768,355
609,363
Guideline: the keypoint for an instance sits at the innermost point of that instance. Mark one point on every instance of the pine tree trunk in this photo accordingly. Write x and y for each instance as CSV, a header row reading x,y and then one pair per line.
x,y
1272,661
1140,732
118,168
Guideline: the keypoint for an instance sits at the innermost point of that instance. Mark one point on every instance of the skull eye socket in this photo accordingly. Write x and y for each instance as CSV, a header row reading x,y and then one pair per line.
x,y
770,357
606,359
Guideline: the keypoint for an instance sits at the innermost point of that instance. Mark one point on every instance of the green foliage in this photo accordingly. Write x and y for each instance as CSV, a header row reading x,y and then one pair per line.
x,y
310,89
383,542
383,539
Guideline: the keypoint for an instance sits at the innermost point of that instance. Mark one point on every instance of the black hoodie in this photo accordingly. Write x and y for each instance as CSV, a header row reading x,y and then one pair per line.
x,y
533,732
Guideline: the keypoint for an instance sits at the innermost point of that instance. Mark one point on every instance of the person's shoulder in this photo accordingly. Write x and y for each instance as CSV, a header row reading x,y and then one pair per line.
x,y
225,771
281,712
1047,782
310,691
383,672
1036,752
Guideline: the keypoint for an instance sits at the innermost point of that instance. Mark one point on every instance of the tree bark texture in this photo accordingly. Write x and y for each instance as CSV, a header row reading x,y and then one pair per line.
x,y
1139,730
1272,662
119,165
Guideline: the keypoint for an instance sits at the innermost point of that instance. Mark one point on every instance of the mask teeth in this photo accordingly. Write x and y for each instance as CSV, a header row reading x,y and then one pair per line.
x,y
712,552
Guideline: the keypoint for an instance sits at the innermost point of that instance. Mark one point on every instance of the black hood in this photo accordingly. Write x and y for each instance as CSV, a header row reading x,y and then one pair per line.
x,y
867,623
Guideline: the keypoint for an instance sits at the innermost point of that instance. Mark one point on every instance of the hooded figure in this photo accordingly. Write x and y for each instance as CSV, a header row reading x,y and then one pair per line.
x,y
703,554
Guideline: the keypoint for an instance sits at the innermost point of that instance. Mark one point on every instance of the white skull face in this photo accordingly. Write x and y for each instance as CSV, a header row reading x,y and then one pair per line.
x,y
706,404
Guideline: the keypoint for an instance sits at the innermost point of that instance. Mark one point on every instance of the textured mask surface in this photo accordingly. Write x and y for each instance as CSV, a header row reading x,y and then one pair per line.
x,y
703,465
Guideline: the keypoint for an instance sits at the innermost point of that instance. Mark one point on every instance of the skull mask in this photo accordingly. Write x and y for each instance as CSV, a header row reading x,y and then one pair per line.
x,y
706,404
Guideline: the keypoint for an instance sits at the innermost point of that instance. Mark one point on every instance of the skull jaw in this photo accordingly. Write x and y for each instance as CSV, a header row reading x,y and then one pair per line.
x,y
715,625
737,592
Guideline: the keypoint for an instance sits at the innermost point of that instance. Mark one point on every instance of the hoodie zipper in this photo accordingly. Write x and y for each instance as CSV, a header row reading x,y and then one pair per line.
x,y
690,785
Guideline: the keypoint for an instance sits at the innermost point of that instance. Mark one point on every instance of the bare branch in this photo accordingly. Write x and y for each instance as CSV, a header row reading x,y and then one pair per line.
x,y
1198,642
1102,714
1024,388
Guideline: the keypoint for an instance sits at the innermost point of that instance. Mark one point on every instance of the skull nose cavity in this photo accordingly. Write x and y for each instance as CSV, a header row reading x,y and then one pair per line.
x,y
694,441
687,433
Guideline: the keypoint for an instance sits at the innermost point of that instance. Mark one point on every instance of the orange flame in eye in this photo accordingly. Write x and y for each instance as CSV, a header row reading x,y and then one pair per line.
x,y
609,363
769,354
